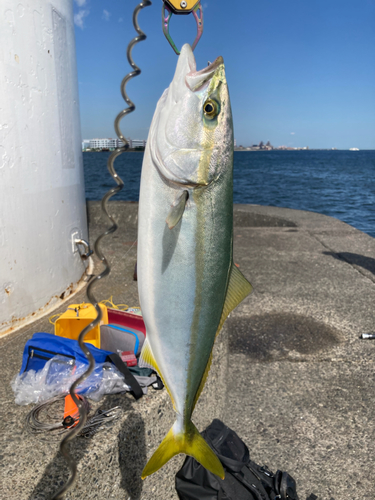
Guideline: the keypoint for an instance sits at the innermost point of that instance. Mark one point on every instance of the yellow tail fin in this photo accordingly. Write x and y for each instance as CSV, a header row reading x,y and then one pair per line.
x,y
191,443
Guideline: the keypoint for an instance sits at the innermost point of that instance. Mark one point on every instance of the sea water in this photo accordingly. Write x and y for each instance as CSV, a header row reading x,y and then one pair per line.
x,y
336,183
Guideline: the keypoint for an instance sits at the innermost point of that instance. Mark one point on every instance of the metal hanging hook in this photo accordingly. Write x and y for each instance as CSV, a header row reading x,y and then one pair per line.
x,y
86,246
182,8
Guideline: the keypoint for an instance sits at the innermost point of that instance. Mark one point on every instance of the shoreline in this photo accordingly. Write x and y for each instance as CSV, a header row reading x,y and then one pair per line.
x,y
244,150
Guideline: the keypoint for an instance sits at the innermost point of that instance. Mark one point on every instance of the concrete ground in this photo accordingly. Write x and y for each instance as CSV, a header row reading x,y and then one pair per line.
x,y
290,375
301,391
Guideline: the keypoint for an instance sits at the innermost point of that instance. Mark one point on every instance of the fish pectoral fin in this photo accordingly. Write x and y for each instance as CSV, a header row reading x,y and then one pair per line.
x,y
238,289
177,210
191,443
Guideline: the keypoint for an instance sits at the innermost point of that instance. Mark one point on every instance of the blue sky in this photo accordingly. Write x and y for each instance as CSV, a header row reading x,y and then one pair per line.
x,y
300,73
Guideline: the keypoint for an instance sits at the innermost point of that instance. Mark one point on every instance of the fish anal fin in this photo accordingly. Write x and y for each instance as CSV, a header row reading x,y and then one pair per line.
x,y
147,360
189,442
177,210
238,289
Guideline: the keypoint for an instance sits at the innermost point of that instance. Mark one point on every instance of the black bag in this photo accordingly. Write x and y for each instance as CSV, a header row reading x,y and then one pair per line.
x,y
244,479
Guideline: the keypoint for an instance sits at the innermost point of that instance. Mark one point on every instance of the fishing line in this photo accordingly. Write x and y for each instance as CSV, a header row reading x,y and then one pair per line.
x,y
37,426
64,446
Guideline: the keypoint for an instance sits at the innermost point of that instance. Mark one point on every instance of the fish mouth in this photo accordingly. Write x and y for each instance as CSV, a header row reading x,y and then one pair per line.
x,y
194,79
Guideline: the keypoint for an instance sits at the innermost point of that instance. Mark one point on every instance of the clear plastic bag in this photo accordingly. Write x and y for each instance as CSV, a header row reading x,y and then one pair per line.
x,y
57,377
106,380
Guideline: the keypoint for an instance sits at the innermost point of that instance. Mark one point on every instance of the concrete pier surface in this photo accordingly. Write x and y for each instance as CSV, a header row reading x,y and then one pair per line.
x,y
290,374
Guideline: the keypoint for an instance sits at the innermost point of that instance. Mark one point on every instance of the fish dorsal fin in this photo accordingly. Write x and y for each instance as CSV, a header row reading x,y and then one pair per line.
x,y
238,289
147,360
177,210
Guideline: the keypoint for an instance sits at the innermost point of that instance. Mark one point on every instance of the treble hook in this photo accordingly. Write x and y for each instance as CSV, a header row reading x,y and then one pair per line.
x,y
182,8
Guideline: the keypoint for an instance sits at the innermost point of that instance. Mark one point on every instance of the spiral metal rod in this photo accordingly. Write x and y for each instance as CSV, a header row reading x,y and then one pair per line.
x,y
64,446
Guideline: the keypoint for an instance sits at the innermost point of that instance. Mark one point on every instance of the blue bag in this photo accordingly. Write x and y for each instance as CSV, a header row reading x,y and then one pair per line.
x,y
44,346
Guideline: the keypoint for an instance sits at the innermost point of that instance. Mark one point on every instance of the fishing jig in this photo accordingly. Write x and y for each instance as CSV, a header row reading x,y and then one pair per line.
x,y
179,7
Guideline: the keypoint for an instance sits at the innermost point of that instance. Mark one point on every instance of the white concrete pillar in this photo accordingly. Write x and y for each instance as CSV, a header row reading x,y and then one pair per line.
x,y
42,200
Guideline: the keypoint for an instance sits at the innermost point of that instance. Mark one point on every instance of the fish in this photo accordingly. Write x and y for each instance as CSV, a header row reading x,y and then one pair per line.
x,y
187,281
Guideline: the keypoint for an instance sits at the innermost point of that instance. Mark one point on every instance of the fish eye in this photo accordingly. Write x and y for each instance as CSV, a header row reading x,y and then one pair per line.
x,y
210,108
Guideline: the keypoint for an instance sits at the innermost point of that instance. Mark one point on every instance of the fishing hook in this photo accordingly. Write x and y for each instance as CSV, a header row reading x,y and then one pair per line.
x,y
64,445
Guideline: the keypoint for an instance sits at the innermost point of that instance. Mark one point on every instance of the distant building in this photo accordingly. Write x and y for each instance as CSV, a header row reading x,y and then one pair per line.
x,y
109,143
137,143
98,143
115,143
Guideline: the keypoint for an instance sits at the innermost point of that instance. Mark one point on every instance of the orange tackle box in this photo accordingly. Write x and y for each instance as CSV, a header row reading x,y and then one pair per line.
x,y
76,318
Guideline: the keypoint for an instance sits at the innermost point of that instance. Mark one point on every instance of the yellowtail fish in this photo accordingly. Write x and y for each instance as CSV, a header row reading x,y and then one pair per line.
x,y
187,281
